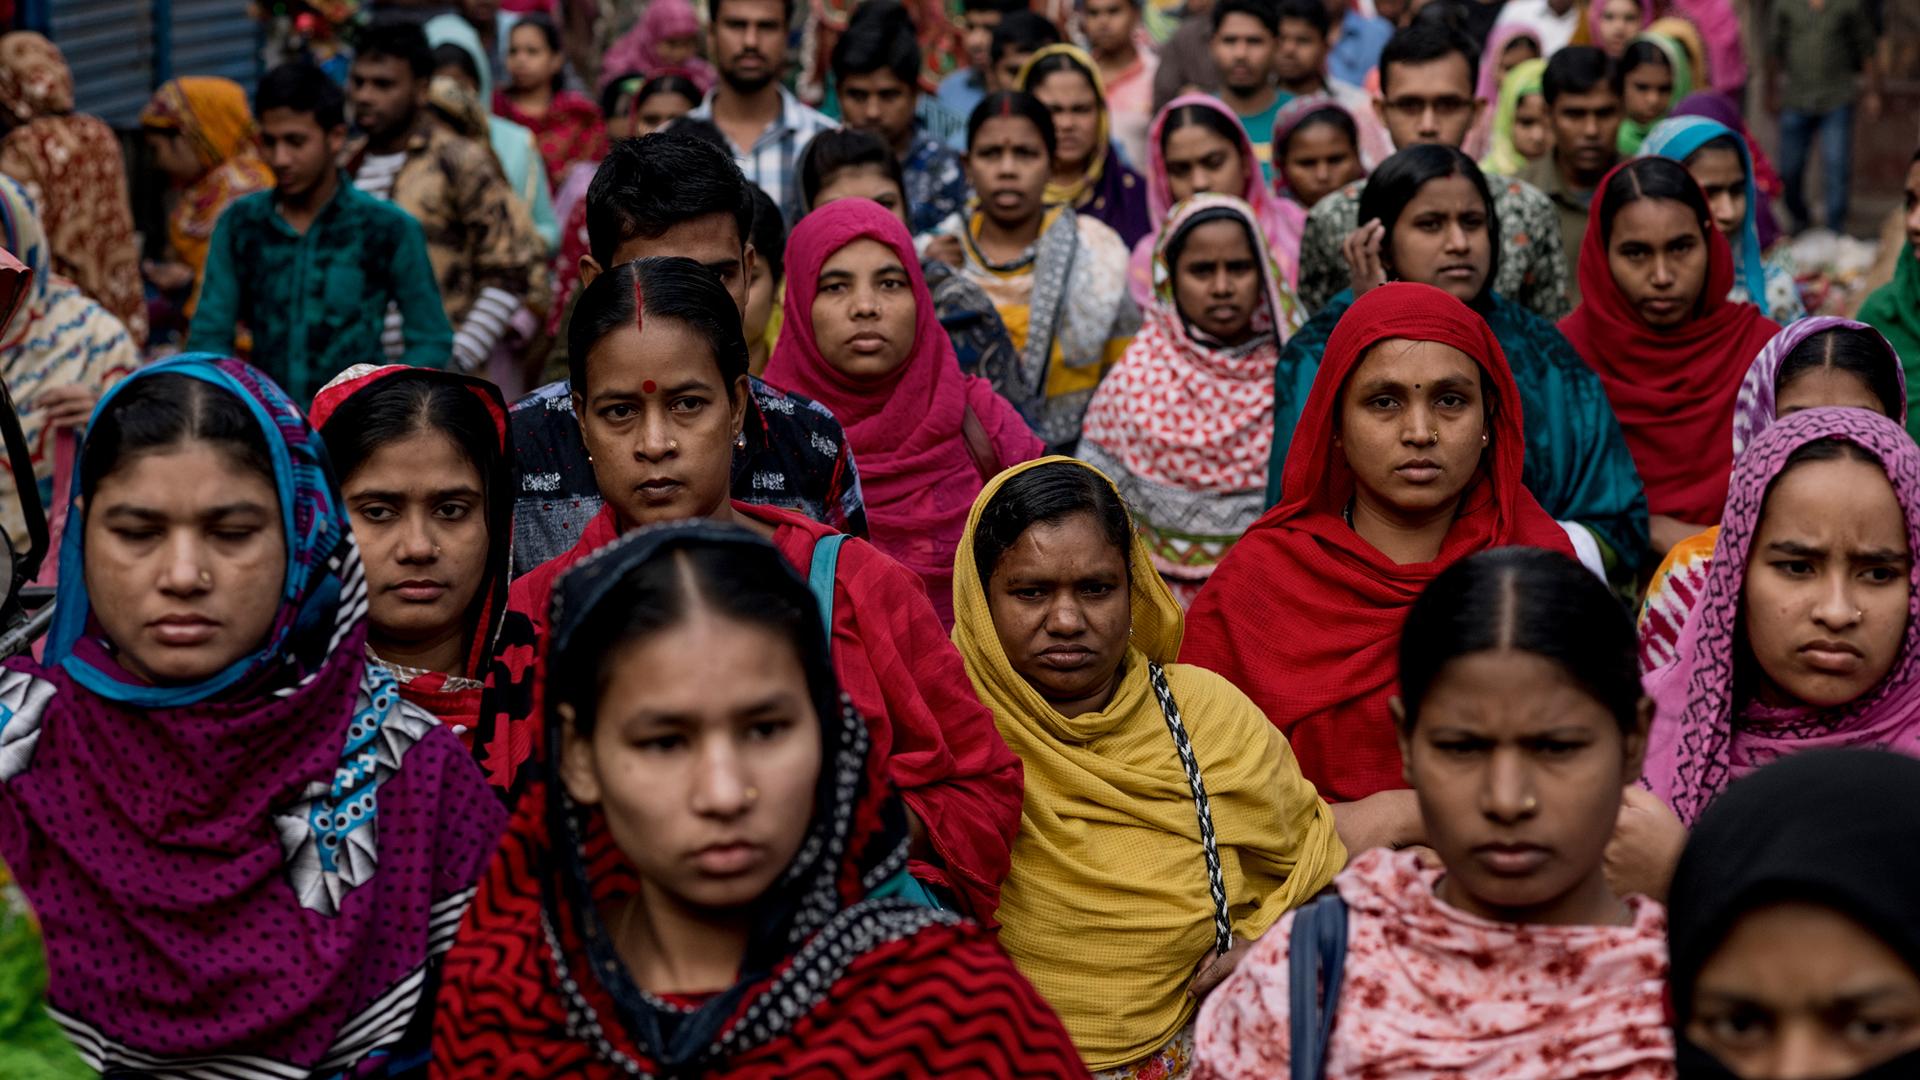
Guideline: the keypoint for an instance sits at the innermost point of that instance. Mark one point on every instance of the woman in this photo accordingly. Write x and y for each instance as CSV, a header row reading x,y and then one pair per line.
x,y
1508,47
1316,152
658,368
703,857
1655,323
460,95
1109,907
567,125
425,462
1058,279
665,40
1521,135
1438,227
1183,422
1794,951
212,752
1088,171
1408,458
201,136
1717,107
1718,160
1811,364
636,107
1197,145
1894,308
1681,29
1650,78
1613,24
1804,633
58,354
1521,720
860,336
70,165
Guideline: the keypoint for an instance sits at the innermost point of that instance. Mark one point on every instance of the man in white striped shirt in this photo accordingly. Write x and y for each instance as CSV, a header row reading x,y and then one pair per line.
x,y
766,124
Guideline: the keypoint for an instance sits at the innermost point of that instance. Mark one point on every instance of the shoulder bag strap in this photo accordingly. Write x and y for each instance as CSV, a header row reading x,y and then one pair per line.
x,y
1316,964
821,574
1216,884
979,445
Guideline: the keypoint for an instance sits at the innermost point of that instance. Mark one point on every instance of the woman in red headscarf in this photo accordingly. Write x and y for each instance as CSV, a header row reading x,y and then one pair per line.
x,y
1407,460
1655,323
860,336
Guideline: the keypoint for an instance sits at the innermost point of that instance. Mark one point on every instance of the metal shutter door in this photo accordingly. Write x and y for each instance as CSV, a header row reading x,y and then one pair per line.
x,y
109,44
211,37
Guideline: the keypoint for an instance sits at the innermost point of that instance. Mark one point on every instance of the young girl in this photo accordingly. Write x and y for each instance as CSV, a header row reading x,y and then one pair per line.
x,y
1613,24
1316,152
568,126
1649,79
1521,135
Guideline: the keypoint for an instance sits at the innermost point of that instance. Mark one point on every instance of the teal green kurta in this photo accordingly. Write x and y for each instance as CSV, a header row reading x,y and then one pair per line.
x,y
1577,462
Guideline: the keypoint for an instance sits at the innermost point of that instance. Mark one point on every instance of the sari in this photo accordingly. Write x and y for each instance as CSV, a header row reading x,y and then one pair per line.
x,y
1707,732
454,698
638,50
1480,136
1633,133
1894,310
911,430
839,977
1682,577
1108,911
1108,191
1673,390
1774,290
1303,615
569,132
212,115
269,860
1183,422
1502,158
1277,217
71,167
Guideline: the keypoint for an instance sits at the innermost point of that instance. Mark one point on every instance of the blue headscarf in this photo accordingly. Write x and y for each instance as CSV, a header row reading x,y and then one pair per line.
x,y
323,598
1678,138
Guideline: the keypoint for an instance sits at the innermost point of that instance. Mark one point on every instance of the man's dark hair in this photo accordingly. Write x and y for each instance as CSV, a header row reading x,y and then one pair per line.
x,y
770,234
1263,10
1311,12
648,185
699,127
1576,69
1423,43
300,86
879,36
713,11
397,40
1022,30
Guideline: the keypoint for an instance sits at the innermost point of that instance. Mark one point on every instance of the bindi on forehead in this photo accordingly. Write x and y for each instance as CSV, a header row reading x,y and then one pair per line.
x,y
649,386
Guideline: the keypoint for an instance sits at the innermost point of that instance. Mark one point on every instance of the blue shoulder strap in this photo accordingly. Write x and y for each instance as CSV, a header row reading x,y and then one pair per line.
x,y
1316,962
820,576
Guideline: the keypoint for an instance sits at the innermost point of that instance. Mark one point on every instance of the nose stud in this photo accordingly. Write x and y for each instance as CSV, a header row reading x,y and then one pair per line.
x,y
752,795
1532,804
206,578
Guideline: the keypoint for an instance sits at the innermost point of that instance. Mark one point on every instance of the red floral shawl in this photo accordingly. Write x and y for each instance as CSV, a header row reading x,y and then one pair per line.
x,y
570,131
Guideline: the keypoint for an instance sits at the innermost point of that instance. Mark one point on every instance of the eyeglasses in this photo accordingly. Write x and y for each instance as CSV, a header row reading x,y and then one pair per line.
x,y
1415,107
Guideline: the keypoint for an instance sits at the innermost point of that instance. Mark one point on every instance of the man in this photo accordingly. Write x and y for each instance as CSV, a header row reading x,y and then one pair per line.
x,y
1112,28
1246,36
311,267
1554,20
1583,108
1015,40
1300,64
1823,47
482,244
1186,59
961,90
1427,74
673,194
876,64
766,124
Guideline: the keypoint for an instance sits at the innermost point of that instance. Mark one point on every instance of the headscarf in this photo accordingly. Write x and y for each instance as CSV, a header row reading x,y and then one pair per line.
x,y
1525,78
1633,133
1127,894
1597,7
1682,31
1753,410
1829,827
1726,61
1673,390
218,840
1715,106
1269,210
1894,310
638,50
454,699
1488,87
906,430
35,80
1304,615
212,115
1107,189
1679,138
1293,213
1704,735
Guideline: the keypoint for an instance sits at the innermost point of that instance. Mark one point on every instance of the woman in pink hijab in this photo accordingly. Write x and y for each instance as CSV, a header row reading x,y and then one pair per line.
x,y
666,39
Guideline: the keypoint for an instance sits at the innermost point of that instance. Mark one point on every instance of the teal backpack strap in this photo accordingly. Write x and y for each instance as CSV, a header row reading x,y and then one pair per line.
x,y
820,576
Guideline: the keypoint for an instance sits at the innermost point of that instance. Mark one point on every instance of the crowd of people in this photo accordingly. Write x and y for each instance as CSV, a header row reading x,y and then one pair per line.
x,y
1258,538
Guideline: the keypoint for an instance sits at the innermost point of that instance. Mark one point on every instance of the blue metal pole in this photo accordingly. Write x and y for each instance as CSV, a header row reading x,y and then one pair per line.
x,y
161,12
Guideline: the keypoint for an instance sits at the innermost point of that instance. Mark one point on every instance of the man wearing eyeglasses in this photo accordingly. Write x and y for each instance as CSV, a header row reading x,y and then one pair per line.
x,y
1427,77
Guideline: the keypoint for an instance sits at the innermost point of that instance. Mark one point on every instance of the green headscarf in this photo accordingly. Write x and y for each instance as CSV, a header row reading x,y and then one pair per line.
x,y
1894,310
1523,79
1634,132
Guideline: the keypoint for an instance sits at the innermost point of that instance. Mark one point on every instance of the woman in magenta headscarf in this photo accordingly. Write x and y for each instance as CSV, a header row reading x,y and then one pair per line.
x,y
666,39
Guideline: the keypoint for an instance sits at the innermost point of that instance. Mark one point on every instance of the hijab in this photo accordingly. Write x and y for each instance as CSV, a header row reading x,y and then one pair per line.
x,y
1487,88
1525,78
1677,416
212,115
214,844
1303,614
455,699
1715,106
1894,310
1705,735
1679,138
1293,213
1828,827
1633,133
1753,410
1683,32
638,50
1078,192
35,80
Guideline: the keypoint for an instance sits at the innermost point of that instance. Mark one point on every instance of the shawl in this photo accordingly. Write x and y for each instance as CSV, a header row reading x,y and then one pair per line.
x,y
70,164
570,131
1184,423
1633,133
1679,138
1433,991
1124,892
1269,210
638,50
1108,190
907,430
454,699
1705,736
1303,615
1722,108
212,115
1717,23
834,981
59,337
1894,310
1674,389
893,660
270,856
1525,78
1487,89
1683,31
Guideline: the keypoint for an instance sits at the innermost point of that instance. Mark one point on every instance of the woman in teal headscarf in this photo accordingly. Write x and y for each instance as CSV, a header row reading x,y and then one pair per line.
x,y
1719,161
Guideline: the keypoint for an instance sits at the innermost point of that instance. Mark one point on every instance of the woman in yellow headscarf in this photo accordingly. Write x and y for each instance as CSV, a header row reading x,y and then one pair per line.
x,y
1088,172
1165,824
202,136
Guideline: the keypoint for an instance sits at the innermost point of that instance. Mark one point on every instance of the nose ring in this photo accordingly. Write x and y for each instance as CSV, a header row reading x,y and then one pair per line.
x,y
206,578
752,795
672,445
1532,804
1435,437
